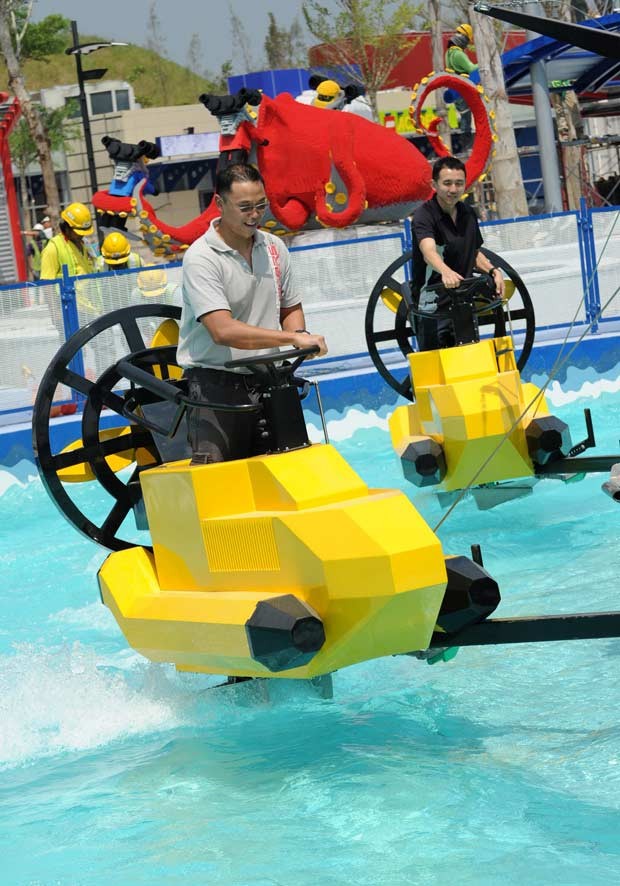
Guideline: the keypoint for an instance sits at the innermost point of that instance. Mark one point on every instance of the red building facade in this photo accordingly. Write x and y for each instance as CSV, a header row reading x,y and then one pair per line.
x,y
416,63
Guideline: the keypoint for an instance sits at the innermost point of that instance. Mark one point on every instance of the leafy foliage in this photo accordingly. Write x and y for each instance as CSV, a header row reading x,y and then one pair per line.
x,y
284,47
195,63
58,129
369,34
45,38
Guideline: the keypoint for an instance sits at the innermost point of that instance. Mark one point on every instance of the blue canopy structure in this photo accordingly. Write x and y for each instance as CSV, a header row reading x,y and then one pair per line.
x,y
567,64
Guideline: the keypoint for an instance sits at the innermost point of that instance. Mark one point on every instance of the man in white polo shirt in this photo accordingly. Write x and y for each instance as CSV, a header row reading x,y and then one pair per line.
x,y
239,299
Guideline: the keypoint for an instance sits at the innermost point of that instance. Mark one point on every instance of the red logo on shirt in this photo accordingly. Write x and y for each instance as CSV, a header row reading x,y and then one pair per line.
x,y
274,257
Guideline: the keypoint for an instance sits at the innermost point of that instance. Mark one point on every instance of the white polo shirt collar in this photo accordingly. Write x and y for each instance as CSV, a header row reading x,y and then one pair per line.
x,y
216,242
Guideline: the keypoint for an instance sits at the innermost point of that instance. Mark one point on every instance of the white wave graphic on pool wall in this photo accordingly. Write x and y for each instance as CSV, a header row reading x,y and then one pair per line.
x,y
21,474
54,701
580,389
343,426
584,383
580,384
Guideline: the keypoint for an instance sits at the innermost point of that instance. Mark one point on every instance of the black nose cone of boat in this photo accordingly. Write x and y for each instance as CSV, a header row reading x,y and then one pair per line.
x,y
284,633
423,462
471,595
548,438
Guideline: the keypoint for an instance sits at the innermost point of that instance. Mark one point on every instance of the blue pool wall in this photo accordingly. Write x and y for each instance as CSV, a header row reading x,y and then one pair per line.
x,y
361,387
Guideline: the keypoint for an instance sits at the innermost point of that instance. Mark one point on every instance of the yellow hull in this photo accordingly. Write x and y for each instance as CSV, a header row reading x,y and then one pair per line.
x,y
234,543
471,401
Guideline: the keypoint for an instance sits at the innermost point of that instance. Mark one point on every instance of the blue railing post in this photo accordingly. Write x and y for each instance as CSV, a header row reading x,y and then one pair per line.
x,y
71,320
407,245
587,252
68,302
583,258
596,289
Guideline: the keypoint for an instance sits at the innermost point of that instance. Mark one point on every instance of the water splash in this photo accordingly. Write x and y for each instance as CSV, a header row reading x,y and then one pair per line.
x,y
59,700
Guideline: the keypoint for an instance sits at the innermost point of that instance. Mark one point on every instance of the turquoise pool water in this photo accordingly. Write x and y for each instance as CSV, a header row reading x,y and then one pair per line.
x,y
502,766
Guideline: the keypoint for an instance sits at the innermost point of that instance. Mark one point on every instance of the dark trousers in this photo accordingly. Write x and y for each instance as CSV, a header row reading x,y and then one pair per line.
x,y
216,436
432,333
467,137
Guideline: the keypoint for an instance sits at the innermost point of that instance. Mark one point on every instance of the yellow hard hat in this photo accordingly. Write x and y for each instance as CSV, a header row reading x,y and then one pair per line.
x,y
326,92
78,218
152,283
115,248
467,31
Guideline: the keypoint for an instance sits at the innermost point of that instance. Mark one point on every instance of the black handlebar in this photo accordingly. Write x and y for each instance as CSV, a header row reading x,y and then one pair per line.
x,y
467,286
296,354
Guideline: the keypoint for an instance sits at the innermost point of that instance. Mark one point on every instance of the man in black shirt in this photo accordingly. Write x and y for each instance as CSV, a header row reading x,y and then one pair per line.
x,y
446,247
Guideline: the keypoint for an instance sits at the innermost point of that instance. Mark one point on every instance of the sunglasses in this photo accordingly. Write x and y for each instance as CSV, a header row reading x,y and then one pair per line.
x,y
246,208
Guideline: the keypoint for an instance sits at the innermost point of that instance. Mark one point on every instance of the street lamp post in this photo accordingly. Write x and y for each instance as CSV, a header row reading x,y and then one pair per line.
x,y
82,75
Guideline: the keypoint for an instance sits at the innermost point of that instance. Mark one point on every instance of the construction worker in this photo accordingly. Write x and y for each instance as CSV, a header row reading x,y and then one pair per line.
x,y
116,254
47,227
69,249
456,60
153,284
35,243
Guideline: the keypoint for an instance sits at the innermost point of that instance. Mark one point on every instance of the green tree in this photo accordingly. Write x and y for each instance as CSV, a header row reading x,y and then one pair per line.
x,y
20,40
243,49
156,42
24,148
506,170
216,82
569,124
195,54
219,81
284,47
45,38
368,33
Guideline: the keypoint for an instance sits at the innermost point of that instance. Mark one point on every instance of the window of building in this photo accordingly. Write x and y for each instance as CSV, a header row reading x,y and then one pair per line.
x,y
122,99
101,103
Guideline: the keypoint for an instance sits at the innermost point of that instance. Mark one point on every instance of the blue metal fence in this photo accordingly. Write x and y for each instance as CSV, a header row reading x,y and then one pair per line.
x,y
588,240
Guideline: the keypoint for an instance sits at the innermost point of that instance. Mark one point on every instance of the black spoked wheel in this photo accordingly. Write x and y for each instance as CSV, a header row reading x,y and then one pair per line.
x,y
387,321
133,326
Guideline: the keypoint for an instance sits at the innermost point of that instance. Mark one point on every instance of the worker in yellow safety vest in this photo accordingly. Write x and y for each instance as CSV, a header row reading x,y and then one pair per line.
x,y
116,254
153,285
35,243
69,249
115,290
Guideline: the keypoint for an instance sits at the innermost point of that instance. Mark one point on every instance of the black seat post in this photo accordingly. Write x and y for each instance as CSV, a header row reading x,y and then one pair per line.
x,y
464,319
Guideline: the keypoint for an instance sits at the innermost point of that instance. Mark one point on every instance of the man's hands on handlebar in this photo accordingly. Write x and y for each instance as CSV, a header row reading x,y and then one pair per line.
x,y
304,340
450,279
500,283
